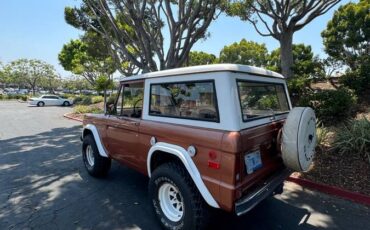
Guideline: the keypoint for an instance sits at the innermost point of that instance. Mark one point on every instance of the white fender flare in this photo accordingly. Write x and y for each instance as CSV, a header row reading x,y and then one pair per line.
x,y
185,158
95,133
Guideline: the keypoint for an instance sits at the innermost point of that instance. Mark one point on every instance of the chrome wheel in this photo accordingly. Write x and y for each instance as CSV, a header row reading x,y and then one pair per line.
x,y
90,155
171,202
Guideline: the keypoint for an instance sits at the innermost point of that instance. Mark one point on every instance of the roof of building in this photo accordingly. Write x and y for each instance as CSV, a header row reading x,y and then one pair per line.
x,y
205,69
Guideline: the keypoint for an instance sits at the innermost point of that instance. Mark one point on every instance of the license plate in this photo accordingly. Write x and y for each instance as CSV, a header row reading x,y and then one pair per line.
x,y
253,161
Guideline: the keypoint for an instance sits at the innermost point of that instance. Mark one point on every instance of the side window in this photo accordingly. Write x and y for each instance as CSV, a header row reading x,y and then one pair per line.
x,y
189,100
130,100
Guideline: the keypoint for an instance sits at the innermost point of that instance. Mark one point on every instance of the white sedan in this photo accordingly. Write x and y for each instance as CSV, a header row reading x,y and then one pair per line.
x,y
50,100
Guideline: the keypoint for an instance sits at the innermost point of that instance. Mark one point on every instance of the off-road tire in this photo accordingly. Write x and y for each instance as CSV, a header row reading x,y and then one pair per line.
x,y
101,165
196,212
40,103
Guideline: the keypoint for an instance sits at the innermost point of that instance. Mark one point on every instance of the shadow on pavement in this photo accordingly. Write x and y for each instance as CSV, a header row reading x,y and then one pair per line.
x,y
44,186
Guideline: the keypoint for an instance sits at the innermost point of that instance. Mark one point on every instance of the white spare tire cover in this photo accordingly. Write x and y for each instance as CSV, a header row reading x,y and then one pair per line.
x,y
299,138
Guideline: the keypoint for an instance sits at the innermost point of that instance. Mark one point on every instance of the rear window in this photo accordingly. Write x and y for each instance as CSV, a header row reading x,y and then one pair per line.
x,y
259,99
187,100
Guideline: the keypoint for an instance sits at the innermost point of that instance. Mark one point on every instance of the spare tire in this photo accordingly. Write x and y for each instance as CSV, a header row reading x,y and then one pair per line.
x,y
299,139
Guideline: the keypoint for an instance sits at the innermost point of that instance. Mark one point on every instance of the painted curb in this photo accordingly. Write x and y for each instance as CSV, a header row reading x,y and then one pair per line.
x,y
331,190
66,115
335,191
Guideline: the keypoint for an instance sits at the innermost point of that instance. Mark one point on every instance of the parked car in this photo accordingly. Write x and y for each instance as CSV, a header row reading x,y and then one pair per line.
x,y
22,91
222,136
50,100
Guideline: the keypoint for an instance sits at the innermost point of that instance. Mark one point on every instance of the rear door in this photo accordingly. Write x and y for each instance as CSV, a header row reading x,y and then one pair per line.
x,y
123,127
260,155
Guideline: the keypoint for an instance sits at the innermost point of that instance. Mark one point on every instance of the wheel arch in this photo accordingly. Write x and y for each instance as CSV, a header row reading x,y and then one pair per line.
x,y
163,152
92,130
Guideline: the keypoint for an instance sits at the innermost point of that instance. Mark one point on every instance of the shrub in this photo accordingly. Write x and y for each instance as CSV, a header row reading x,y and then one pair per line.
x,y
68,95
354,138
77,100
86,100
111,99
331,105
24,97
97,99
358,81
80,109
321,135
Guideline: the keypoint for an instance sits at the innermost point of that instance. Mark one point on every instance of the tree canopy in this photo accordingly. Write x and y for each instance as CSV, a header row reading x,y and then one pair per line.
x,y
33,72
134,29
83,59
201,58
280,20
305,63
347,40
347,35
245,52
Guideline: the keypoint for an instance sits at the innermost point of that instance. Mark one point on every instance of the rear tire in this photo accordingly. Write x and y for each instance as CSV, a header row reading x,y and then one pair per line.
x,y
40,104
176,200
96,165
66,103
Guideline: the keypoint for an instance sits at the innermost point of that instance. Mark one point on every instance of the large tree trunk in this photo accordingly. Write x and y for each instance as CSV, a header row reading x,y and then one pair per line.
x,y
286,54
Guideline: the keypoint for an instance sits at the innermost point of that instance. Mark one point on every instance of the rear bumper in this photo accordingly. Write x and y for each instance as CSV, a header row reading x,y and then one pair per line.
x,y
249,201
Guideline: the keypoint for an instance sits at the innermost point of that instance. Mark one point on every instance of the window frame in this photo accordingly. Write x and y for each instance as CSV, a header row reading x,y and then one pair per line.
x,y
261,82
121,88
212,81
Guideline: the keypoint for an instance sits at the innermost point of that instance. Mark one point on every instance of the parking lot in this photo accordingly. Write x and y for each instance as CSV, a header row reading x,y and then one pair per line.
x,y
44,185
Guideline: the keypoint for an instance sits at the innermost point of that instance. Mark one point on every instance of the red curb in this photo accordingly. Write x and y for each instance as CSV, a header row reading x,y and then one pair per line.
x,y
72,118
342,193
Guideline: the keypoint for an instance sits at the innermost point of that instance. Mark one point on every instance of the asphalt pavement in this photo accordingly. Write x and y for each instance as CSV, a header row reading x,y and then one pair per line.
x,y
43,185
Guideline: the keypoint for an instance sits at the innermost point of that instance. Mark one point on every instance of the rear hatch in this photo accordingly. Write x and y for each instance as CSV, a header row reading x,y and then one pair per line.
x,y
260,157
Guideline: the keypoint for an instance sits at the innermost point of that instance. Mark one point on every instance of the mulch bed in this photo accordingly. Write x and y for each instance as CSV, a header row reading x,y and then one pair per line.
x,y
350,172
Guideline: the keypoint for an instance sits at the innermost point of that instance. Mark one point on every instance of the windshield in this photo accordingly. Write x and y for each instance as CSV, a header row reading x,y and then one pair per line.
x,y
260,99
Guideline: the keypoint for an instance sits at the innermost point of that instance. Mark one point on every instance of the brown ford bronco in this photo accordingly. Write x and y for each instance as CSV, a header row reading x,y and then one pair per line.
x,y
218,136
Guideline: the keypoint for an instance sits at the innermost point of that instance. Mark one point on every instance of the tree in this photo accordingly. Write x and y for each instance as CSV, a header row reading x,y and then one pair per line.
x,y
245,52
280,20
74,83
102,84
305,63
51,83
3,78
90,62
347,35
306,67
30,71
201,58
134,29
347,40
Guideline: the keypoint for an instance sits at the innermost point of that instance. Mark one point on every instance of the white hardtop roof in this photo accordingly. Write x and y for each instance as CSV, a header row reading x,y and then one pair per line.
x,y
204,69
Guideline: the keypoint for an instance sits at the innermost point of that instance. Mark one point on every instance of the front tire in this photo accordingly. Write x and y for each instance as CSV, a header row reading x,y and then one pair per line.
x,y
96,165
175,198
40,104
66,103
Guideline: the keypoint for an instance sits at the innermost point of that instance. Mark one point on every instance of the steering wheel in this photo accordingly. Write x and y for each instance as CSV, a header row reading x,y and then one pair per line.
x,y
135,104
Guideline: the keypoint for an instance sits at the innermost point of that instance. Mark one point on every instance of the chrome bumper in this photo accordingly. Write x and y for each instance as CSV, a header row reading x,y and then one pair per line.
x,y
249,201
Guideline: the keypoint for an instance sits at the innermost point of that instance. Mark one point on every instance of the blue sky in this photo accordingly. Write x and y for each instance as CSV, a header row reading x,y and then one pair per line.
x,y
36,29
